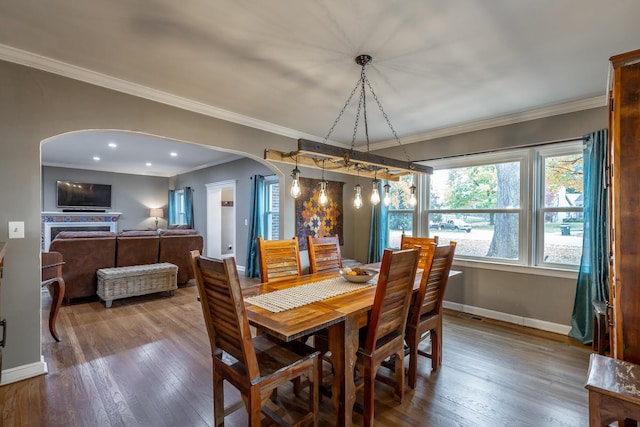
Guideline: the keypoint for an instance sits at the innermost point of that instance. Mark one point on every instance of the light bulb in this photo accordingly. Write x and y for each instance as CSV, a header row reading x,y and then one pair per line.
x,y
322,199
412,200
387,196
375,194
357,202
295,184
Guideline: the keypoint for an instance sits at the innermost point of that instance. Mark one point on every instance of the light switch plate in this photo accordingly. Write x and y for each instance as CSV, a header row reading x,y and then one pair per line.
x,y
16,229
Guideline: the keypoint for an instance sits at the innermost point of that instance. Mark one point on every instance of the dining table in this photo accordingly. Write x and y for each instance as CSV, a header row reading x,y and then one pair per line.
x,y
341,315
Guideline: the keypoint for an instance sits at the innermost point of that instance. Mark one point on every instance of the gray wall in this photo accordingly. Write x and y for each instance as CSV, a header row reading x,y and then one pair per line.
x,y
132,195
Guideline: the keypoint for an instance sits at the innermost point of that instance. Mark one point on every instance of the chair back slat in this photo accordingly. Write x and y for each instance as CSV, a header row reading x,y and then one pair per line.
x,y
224,312
324,253
279,259
434,282
389,313
408,242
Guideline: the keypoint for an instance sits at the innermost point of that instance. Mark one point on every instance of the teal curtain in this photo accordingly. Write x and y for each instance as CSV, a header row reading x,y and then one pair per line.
x,y
593,277
377,232
256,225
188,207
171,207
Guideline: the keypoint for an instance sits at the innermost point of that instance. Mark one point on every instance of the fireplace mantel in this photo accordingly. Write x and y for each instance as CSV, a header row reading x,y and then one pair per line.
x,y
76,220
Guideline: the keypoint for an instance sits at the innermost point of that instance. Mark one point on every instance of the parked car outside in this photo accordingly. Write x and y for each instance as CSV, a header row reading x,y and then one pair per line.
x,y
455,224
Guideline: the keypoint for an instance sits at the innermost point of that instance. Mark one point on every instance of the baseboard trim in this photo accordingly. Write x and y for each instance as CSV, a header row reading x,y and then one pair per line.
x,y
509,318
23,372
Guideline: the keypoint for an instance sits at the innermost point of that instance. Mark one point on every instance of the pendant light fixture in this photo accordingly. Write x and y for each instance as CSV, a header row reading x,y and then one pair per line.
x,y
412,199
322,198
357,201
375,194
351,161
295,184
387,197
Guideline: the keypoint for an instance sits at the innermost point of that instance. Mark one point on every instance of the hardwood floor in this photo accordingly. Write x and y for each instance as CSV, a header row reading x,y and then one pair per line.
x,y
146,362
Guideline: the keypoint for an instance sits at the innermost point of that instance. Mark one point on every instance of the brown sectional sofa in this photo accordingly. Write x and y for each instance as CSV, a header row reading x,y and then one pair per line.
x,y
85,252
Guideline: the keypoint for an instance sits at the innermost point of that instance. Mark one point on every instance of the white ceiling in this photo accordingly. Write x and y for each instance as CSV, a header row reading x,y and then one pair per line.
x,y
439,66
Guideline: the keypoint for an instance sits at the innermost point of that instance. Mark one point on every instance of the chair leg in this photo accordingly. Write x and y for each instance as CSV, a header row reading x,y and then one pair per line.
x,y
254,407
314,389
412,341
218,400
368,400
399,375
436,347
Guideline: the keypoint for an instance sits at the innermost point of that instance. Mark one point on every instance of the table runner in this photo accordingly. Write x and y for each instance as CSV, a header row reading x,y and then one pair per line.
x,y
286,299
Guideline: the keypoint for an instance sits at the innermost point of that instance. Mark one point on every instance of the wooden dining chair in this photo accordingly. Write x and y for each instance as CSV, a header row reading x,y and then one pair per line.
x,y
255,366
384,333
324,253
409,242
425,315
52,278
279,259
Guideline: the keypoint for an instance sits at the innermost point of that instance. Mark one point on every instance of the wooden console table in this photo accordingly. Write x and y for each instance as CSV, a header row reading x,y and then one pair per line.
x,y
614,391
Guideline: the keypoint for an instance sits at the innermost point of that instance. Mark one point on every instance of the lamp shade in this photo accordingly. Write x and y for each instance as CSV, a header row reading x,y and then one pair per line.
x,y
158,213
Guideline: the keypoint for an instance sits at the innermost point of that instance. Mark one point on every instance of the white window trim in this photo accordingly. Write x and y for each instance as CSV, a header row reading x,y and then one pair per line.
x,y
531,178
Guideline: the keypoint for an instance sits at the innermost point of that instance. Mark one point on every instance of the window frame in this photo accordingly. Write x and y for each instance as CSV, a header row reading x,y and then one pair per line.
x,y
179,200
531,212
269,212
541,154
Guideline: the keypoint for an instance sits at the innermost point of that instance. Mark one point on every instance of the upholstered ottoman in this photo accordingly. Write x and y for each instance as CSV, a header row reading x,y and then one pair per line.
x,y
123,282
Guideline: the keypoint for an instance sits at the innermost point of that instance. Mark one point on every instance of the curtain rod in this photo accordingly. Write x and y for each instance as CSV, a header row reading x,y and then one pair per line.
x,y
537,144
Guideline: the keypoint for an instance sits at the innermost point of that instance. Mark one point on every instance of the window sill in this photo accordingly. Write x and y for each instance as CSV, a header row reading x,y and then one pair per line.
x,y
538,271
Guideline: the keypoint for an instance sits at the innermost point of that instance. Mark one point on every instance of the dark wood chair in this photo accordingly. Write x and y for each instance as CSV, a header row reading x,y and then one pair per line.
x,y
255,366
383,336
324,253
408,242
52,278
279,259
425,315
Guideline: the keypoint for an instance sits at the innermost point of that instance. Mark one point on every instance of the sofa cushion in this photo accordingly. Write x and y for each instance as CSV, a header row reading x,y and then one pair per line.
x,y
134,233
84,252
176,247
137,248
84,235
178,232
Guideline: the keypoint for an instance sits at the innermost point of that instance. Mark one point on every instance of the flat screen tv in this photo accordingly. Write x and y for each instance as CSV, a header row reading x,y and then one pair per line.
x,y
83,196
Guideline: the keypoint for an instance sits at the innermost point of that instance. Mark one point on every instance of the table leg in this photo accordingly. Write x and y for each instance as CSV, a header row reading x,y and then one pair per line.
x,y
343,344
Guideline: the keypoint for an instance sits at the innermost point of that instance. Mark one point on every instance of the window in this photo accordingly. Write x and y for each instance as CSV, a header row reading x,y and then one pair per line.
x,y
272,209
181,217
400,214
480,207
560,207
518,207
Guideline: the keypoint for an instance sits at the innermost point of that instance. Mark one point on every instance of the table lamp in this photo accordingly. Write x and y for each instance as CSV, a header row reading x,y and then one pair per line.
x,y
157,213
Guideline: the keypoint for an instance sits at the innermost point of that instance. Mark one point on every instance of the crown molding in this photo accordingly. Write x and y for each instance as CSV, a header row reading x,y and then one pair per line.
x,y
44,63
538,113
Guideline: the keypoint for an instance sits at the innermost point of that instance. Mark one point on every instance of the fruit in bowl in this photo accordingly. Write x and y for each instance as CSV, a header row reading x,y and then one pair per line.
x,y
357,274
